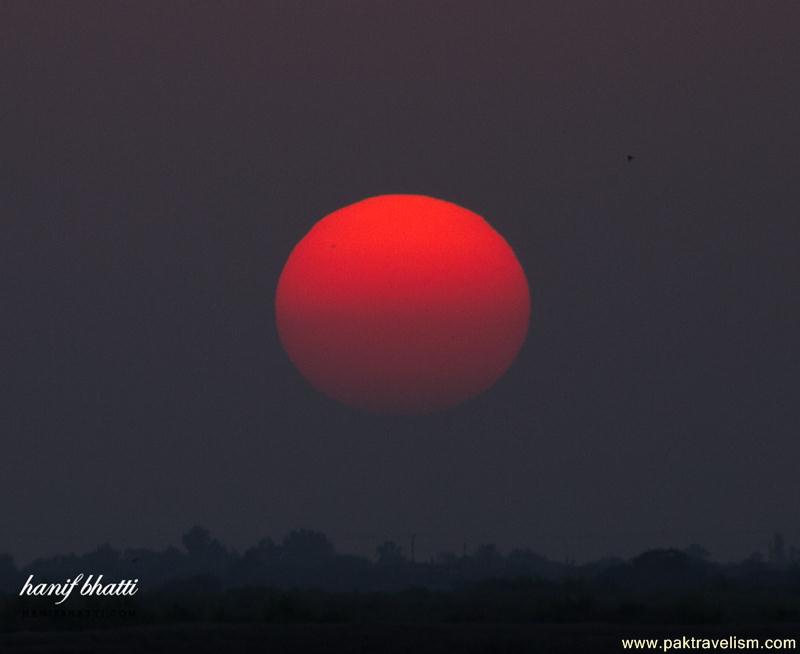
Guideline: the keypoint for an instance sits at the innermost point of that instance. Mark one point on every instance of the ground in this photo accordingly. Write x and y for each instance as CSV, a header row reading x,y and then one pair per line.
x,y
353,638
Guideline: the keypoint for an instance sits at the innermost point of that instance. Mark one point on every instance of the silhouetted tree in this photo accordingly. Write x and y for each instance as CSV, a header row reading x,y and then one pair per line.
x,y
307,546
696,551
206,555
265,551
105,559
196,540
777,550
486,553
390,553
447,559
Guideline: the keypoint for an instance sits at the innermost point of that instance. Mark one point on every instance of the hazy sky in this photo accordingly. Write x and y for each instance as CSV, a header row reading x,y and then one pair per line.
x,y
158,161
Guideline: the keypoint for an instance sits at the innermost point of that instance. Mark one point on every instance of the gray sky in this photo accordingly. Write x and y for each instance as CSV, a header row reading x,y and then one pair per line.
x,y
160,161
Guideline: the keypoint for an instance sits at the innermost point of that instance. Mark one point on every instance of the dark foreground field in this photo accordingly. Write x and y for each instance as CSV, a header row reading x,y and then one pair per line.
x,y
333,638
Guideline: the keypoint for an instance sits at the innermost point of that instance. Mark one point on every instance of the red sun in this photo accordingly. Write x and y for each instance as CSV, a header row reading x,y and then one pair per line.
x,y
402,304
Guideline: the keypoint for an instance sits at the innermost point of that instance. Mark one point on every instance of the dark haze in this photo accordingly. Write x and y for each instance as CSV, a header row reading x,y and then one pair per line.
x,y
159,161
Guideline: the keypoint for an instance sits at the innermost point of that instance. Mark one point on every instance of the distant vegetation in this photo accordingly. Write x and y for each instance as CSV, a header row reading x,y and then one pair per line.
x,y
304,579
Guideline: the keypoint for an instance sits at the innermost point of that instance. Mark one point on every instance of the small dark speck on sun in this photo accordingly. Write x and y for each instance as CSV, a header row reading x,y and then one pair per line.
x,y
629,157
